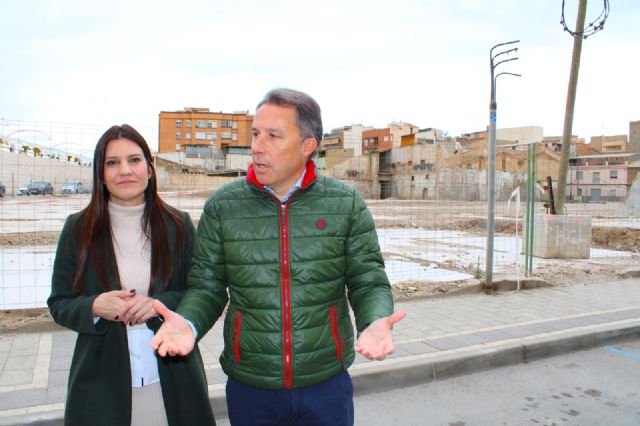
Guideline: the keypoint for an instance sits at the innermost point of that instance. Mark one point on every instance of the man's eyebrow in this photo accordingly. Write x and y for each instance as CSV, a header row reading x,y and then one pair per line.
x,y
268,130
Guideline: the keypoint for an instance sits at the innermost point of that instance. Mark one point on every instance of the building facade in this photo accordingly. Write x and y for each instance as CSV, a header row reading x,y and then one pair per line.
x,y
634,136
601,177
609,144
199,132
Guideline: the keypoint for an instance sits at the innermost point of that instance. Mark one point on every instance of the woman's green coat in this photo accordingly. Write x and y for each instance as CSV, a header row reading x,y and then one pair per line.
x,y
99,391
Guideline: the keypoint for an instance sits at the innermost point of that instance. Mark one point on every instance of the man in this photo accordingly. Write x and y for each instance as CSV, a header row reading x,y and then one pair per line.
x,y
290,247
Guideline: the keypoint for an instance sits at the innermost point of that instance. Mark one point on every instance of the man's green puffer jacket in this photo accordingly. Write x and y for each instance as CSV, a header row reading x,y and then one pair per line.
x,y
288,270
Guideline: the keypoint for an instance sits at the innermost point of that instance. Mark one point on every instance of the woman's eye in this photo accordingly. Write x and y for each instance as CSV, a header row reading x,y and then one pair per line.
x,y
110,162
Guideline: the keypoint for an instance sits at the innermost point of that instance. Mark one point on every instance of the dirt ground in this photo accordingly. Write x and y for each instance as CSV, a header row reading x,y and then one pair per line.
x,y
38,320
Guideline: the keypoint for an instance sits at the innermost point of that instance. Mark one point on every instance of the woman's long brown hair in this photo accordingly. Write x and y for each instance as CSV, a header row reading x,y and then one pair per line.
x,y
95,225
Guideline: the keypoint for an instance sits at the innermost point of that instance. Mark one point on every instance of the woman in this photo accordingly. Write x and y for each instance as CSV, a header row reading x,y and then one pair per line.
x,y
113,258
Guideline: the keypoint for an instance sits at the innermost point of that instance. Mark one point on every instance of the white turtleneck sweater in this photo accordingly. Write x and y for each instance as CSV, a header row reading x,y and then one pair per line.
x,y
133,256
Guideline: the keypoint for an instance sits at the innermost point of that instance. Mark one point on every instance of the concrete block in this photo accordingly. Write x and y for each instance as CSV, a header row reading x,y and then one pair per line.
x,y
510,283
561,237
629,273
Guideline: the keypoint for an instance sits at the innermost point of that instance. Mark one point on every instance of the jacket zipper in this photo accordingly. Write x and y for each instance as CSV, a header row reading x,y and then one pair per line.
x,y
287,355
286,298
335,332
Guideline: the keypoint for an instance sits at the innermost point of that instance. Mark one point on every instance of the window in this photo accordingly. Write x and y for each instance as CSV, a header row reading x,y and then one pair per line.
x,y
579,175
200,136
212,136
178,135
235,125
187,135
596,177
226,123
386,138
234,137
612,193
201,124
613,174
225,135
212,124
178,124
187,123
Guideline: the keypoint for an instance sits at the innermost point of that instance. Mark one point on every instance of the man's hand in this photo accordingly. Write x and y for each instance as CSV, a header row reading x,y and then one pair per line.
x,y
376,341
175,336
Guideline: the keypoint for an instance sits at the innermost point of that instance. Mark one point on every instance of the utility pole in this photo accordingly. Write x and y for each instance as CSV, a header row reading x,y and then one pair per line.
x,y
571,101
491,167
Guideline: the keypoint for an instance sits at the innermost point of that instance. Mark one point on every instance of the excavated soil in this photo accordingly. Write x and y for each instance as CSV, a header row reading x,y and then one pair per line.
x,y
624,239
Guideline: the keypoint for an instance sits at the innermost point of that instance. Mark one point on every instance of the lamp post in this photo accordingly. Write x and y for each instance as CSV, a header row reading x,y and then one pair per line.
x,y
491,175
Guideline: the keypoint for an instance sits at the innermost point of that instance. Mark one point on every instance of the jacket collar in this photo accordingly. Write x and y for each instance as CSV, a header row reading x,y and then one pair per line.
x,y
309,177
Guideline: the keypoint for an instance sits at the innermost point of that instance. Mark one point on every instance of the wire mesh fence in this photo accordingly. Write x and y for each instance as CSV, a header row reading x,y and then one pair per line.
x,y
431,219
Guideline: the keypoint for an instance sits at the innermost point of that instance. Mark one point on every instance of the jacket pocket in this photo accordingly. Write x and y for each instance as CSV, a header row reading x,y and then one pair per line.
x,y
335,332
236,329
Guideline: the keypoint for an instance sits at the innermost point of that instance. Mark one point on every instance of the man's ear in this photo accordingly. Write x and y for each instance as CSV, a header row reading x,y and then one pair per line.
x,y
309,146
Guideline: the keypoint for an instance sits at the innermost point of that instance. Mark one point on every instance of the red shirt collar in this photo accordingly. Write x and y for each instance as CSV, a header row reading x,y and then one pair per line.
x,y
309,177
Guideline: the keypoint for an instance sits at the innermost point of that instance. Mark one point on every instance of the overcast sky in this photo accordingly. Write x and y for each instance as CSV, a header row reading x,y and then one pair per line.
x,y
371,62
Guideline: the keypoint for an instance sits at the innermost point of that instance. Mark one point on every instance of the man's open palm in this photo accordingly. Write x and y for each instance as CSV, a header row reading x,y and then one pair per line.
x,y
376,341
175,337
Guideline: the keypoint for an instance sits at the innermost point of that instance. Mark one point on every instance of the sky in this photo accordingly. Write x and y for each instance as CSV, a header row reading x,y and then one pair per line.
x,y
424,62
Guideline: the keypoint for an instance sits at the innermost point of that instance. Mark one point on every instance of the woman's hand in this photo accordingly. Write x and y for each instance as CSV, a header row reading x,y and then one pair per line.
x,y
137,309
108,305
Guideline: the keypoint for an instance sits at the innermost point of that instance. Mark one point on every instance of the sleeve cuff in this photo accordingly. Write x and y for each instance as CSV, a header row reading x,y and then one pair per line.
x,y
193,328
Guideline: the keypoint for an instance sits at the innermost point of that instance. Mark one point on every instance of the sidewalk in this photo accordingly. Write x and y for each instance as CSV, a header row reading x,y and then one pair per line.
x,y
438,339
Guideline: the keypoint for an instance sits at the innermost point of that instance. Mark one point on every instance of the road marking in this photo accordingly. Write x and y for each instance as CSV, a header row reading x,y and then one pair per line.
x,y
623,352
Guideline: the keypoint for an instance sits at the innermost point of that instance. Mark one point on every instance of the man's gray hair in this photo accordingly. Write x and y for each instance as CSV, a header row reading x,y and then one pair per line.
x,y
308,117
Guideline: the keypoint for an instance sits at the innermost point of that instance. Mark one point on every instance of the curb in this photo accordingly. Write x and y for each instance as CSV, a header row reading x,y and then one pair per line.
x,y
413,370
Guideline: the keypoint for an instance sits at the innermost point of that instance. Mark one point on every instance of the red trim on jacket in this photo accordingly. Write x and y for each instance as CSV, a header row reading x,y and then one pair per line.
x,y
236,343
335,332
309,177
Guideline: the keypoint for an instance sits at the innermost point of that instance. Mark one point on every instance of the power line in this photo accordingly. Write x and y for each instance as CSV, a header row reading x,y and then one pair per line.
x,y
593,27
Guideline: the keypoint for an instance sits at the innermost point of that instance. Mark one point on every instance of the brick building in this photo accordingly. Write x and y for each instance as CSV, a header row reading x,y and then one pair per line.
x,y
198,132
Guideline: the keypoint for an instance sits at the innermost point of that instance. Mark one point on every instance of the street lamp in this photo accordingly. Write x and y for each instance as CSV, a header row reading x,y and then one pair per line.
x,y
491,175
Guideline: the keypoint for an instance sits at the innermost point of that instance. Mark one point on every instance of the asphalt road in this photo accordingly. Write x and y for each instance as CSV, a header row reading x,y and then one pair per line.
x,y
600,386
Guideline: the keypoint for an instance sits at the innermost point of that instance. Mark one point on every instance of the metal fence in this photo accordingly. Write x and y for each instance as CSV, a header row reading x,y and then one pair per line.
x,y
431,222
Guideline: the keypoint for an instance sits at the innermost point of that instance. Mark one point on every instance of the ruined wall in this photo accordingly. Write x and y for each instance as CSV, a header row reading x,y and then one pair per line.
x,y
454,184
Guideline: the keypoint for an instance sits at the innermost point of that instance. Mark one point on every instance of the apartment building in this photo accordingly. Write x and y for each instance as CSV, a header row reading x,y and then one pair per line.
x,y
601,177
377,140
345,138
385,139
609,144
199,132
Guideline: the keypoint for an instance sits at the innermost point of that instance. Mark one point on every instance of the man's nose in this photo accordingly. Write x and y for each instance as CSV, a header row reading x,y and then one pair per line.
x,y
257,145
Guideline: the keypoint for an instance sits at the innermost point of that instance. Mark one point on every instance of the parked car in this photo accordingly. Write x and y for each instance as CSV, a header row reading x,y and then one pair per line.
x,y
36,188
24,189
3,189
87,188
71,187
